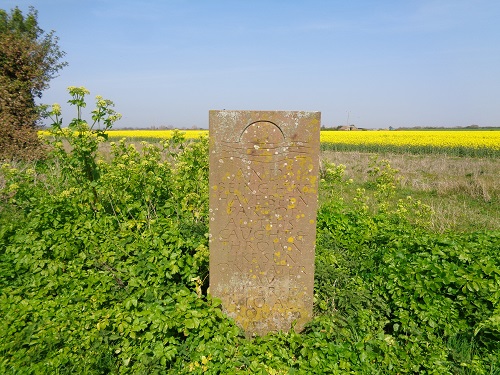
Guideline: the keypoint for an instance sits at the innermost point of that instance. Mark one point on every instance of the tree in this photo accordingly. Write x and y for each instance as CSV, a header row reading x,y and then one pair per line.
x,y
29,59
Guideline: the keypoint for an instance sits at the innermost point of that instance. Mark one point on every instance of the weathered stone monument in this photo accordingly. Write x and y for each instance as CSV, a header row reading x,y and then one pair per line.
x,y
263,201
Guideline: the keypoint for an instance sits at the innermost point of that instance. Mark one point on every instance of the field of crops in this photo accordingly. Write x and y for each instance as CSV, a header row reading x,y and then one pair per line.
x,y
155,134
438,138
462,143
452,142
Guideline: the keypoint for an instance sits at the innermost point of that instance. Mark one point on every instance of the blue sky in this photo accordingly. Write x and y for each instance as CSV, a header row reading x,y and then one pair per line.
x,y
375,63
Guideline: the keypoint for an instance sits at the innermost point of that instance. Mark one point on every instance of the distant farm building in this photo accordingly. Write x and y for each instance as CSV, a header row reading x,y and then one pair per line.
x,y
347,128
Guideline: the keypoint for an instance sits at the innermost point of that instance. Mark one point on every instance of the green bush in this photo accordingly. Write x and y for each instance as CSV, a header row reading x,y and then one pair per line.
x,y
104,269
435,295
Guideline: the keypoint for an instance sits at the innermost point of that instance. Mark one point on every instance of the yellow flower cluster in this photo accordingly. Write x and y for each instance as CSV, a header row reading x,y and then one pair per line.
x,y
423,138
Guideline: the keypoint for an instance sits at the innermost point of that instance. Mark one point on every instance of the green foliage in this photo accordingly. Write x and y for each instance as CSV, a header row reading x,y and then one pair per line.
x,y
18,24
40,63
29,59
108,257
104,265
434,295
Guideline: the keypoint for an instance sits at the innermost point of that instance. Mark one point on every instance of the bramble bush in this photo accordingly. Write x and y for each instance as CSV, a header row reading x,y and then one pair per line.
x,y
104,269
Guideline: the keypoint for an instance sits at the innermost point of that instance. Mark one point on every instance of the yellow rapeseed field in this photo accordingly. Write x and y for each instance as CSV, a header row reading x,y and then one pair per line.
x,y
155,134
437,138
422,138
425,139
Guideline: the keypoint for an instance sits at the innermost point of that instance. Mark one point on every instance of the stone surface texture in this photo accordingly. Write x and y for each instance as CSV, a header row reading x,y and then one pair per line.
x,y
263,202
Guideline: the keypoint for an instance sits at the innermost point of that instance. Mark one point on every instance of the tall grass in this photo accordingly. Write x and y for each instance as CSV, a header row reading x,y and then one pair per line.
x,y
461,151
464,192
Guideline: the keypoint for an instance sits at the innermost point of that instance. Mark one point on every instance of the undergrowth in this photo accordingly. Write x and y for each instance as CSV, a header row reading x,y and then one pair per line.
x,y
104,269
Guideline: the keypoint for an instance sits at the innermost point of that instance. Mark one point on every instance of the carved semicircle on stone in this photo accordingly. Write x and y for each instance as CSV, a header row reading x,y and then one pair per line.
x,y
262,133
